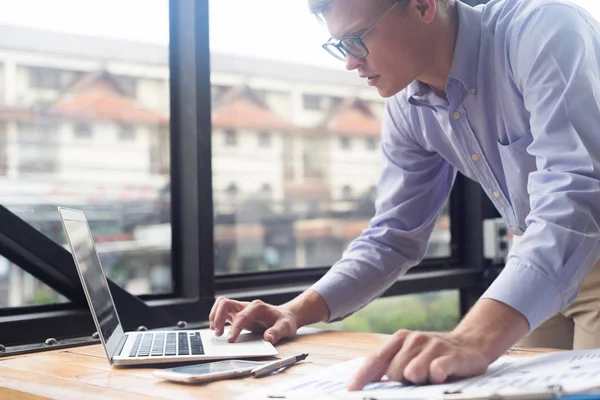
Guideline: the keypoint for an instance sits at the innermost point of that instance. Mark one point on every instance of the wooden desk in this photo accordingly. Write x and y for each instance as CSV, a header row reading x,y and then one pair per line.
x,y
84,372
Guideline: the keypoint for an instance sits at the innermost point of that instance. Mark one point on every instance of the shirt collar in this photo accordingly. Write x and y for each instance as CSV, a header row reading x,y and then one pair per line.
x,y
419,94
466,55
466,51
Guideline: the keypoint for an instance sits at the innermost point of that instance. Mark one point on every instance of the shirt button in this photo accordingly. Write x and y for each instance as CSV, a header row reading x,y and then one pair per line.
x,y
456,115
475,157
473,90
496,194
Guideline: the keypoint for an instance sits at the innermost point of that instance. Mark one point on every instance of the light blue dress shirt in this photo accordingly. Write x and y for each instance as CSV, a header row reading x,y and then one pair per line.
x,y
522,118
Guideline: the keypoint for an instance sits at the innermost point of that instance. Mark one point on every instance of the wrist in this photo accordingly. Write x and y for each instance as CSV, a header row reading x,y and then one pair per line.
x,y
307,308
470,338
491,328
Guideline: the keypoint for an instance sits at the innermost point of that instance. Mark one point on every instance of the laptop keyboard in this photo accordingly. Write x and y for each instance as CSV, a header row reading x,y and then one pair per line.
x,y
157,344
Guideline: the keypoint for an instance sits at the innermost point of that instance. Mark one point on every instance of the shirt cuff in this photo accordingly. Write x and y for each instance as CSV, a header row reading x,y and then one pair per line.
x,y
332,291
528,291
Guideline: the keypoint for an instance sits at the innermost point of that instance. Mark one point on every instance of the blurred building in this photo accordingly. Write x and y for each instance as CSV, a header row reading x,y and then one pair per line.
x,y
84,121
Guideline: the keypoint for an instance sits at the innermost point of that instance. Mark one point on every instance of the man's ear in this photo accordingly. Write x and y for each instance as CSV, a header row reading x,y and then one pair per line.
x,y
426,9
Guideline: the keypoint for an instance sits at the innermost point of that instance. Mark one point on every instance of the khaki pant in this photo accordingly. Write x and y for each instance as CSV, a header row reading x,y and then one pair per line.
x,y
578,326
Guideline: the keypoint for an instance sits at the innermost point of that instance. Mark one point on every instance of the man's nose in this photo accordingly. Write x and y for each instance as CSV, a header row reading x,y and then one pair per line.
x,y
352,62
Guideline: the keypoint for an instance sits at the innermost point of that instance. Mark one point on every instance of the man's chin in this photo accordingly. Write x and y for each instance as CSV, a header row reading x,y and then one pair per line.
x,y
386,92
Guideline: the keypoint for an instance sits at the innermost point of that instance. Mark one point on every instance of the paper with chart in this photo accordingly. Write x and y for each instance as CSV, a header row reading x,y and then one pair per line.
x,y
573,370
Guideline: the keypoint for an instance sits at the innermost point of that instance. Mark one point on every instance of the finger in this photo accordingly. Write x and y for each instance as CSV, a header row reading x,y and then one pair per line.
x,y
441,368
375,366
413,345
213,311
417,370
462,365
282,328
244,318
226,306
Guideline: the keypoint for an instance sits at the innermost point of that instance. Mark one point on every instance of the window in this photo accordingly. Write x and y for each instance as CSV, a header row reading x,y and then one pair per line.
x,y
19,288
311,102
266,189
264,139
2,84
127,206
36,152
371,143
345,143
231,138
126,133
3,150
82,130
134,207
232,189
128,84
347,192
278,93
44,78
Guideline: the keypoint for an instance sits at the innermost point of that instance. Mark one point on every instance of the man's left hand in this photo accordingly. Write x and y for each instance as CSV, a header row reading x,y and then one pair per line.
x,y
420,358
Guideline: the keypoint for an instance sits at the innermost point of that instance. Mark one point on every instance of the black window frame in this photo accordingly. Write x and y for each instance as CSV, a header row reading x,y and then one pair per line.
x,y
195,284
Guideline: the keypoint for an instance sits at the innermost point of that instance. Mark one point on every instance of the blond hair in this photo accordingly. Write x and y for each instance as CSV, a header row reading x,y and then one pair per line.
x,y
318,7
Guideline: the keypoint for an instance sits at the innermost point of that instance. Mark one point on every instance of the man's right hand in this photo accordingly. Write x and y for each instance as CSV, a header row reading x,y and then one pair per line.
x,y
276,322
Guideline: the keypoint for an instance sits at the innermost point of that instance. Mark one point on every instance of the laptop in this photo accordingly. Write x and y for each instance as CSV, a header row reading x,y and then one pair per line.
x,y
149,347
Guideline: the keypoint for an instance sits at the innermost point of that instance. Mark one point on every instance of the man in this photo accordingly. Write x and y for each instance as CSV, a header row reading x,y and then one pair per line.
x,y
508,94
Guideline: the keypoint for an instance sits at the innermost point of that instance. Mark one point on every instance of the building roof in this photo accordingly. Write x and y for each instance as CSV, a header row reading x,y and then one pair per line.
x,y
99,96
96,96
19,38
242,108
352,117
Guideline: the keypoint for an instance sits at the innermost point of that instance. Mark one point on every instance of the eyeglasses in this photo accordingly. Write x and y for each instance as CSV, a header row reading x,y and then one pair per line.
x,y
353,45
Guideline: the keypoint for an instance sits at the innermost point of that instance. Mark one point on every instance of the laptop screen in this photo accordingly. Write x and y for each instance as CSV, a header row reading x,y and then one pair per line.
x,y
96,286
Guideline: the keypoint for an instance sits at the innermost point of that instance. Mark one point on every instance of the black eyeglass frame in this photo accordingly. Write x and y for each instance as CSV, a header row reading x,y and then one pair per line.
x,y
339,49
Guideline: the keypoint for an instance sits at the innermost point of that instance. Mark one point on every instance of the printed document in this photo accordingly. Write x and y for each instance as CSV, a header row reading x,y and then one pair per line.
x,y
572,370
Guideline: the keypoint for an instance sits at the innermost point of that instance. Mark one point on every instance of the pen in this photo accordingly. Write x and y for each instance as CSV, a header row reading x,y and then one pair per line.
x,y
274,366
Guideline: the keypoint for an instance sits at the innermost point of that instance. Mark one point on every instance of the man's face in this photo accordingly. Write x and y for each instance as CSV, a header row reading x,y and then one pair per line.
x,y
396,50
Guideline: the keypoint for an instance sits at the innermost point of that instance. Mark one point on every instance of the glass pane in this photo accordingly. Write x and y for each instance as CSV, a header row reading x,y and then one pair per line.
x,y
18,288
432,311
322,161
84,123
